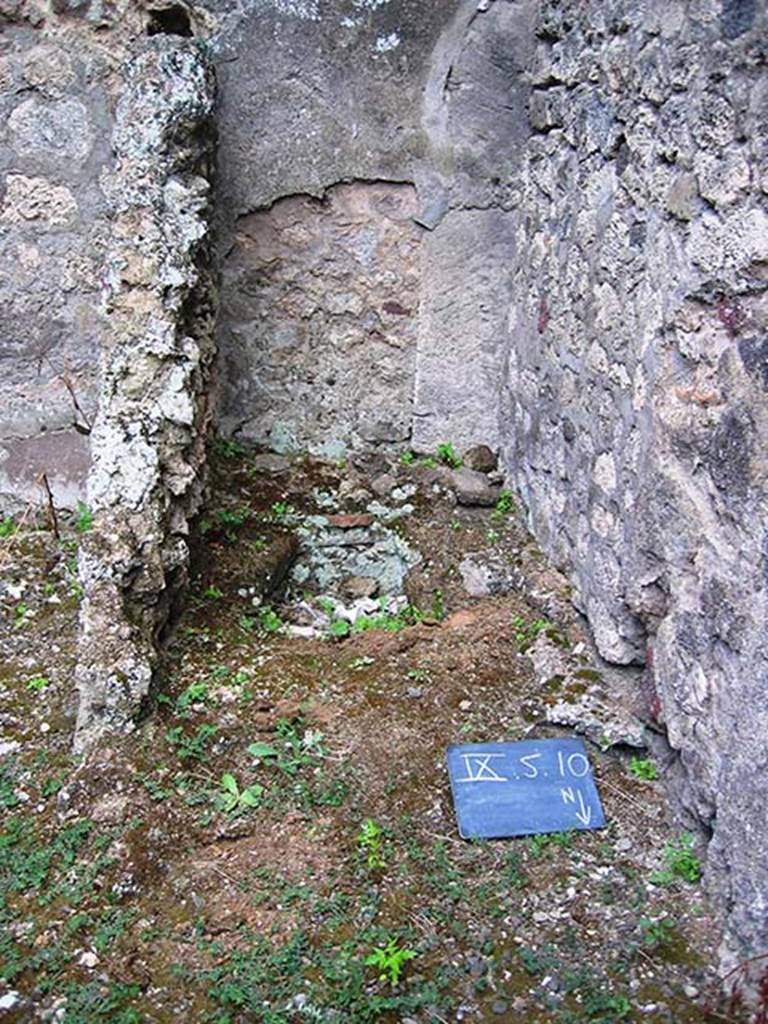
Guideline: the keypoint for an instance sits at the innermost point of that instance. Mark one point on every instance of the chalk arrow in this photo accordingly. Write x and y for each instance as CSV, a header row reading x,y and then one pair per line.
x,y
584,813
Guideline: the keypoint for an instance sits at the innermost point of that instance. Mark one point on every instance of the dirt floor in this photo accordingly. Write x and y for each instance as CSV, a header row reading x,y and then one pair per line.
x,y
276,842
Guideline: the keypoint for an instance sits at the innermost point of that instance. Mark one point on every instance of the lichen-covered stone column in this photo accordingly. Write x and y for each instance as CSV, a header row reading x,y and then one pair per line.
x,y
148,442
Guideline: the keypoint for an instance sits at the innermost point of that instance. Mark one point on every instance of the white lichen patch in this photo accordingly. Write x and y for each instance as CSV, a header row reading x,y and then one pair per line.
x,y
309,10
386,43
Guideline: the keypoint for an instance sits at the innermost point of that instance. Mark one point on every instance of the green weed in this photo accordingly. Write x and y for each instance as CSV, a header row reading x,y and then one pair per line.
x,y
526,633
195,747
389,622
226,520
195,693
8,527
446,454
512,872
226,448
297,749
657,933
232,800
38,683
370,841
84,518
269,620
339,628
21,614
682,862
505,505
281,511
389,960
644,769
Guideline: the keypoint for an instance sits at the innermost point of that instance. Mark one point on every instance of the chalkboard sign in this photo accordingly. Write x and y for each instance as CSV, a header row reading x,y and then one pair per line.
x,y
517,789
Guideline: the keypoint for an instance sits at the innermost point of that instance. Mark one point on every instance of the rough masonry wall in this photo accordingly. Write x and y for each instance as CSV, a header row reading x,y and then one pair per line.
x,y
323,160
322,300
157,351
54,142
60,76
636,415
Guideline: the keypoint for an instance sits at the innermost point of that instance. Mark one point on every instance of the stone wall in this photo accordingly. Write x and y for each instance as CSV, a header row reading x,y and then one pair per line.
x,y
322,302
54,141
60,76
635,406
324,162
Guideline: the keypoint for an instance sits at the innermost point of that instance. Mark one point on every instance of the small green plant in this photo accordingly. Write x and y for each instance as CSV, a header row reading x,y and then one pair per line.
x,y
389,960
538,843
644,769
526,633
446,454
538,961
38,683
657,933
438,606
429,462
606,1007
21,614
513,872
297,750
213,593
564,839
232,800
195,693
408,457
682,862
263,751
84,518
339,628
193,747
7,527
226,520
370,841
389,621
269,620
281,511
228,449
505,505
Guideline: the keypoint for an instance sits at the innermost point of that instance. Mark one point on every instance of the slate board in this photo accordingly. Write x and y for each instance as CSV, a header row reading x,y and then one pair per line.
x,y
518,789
